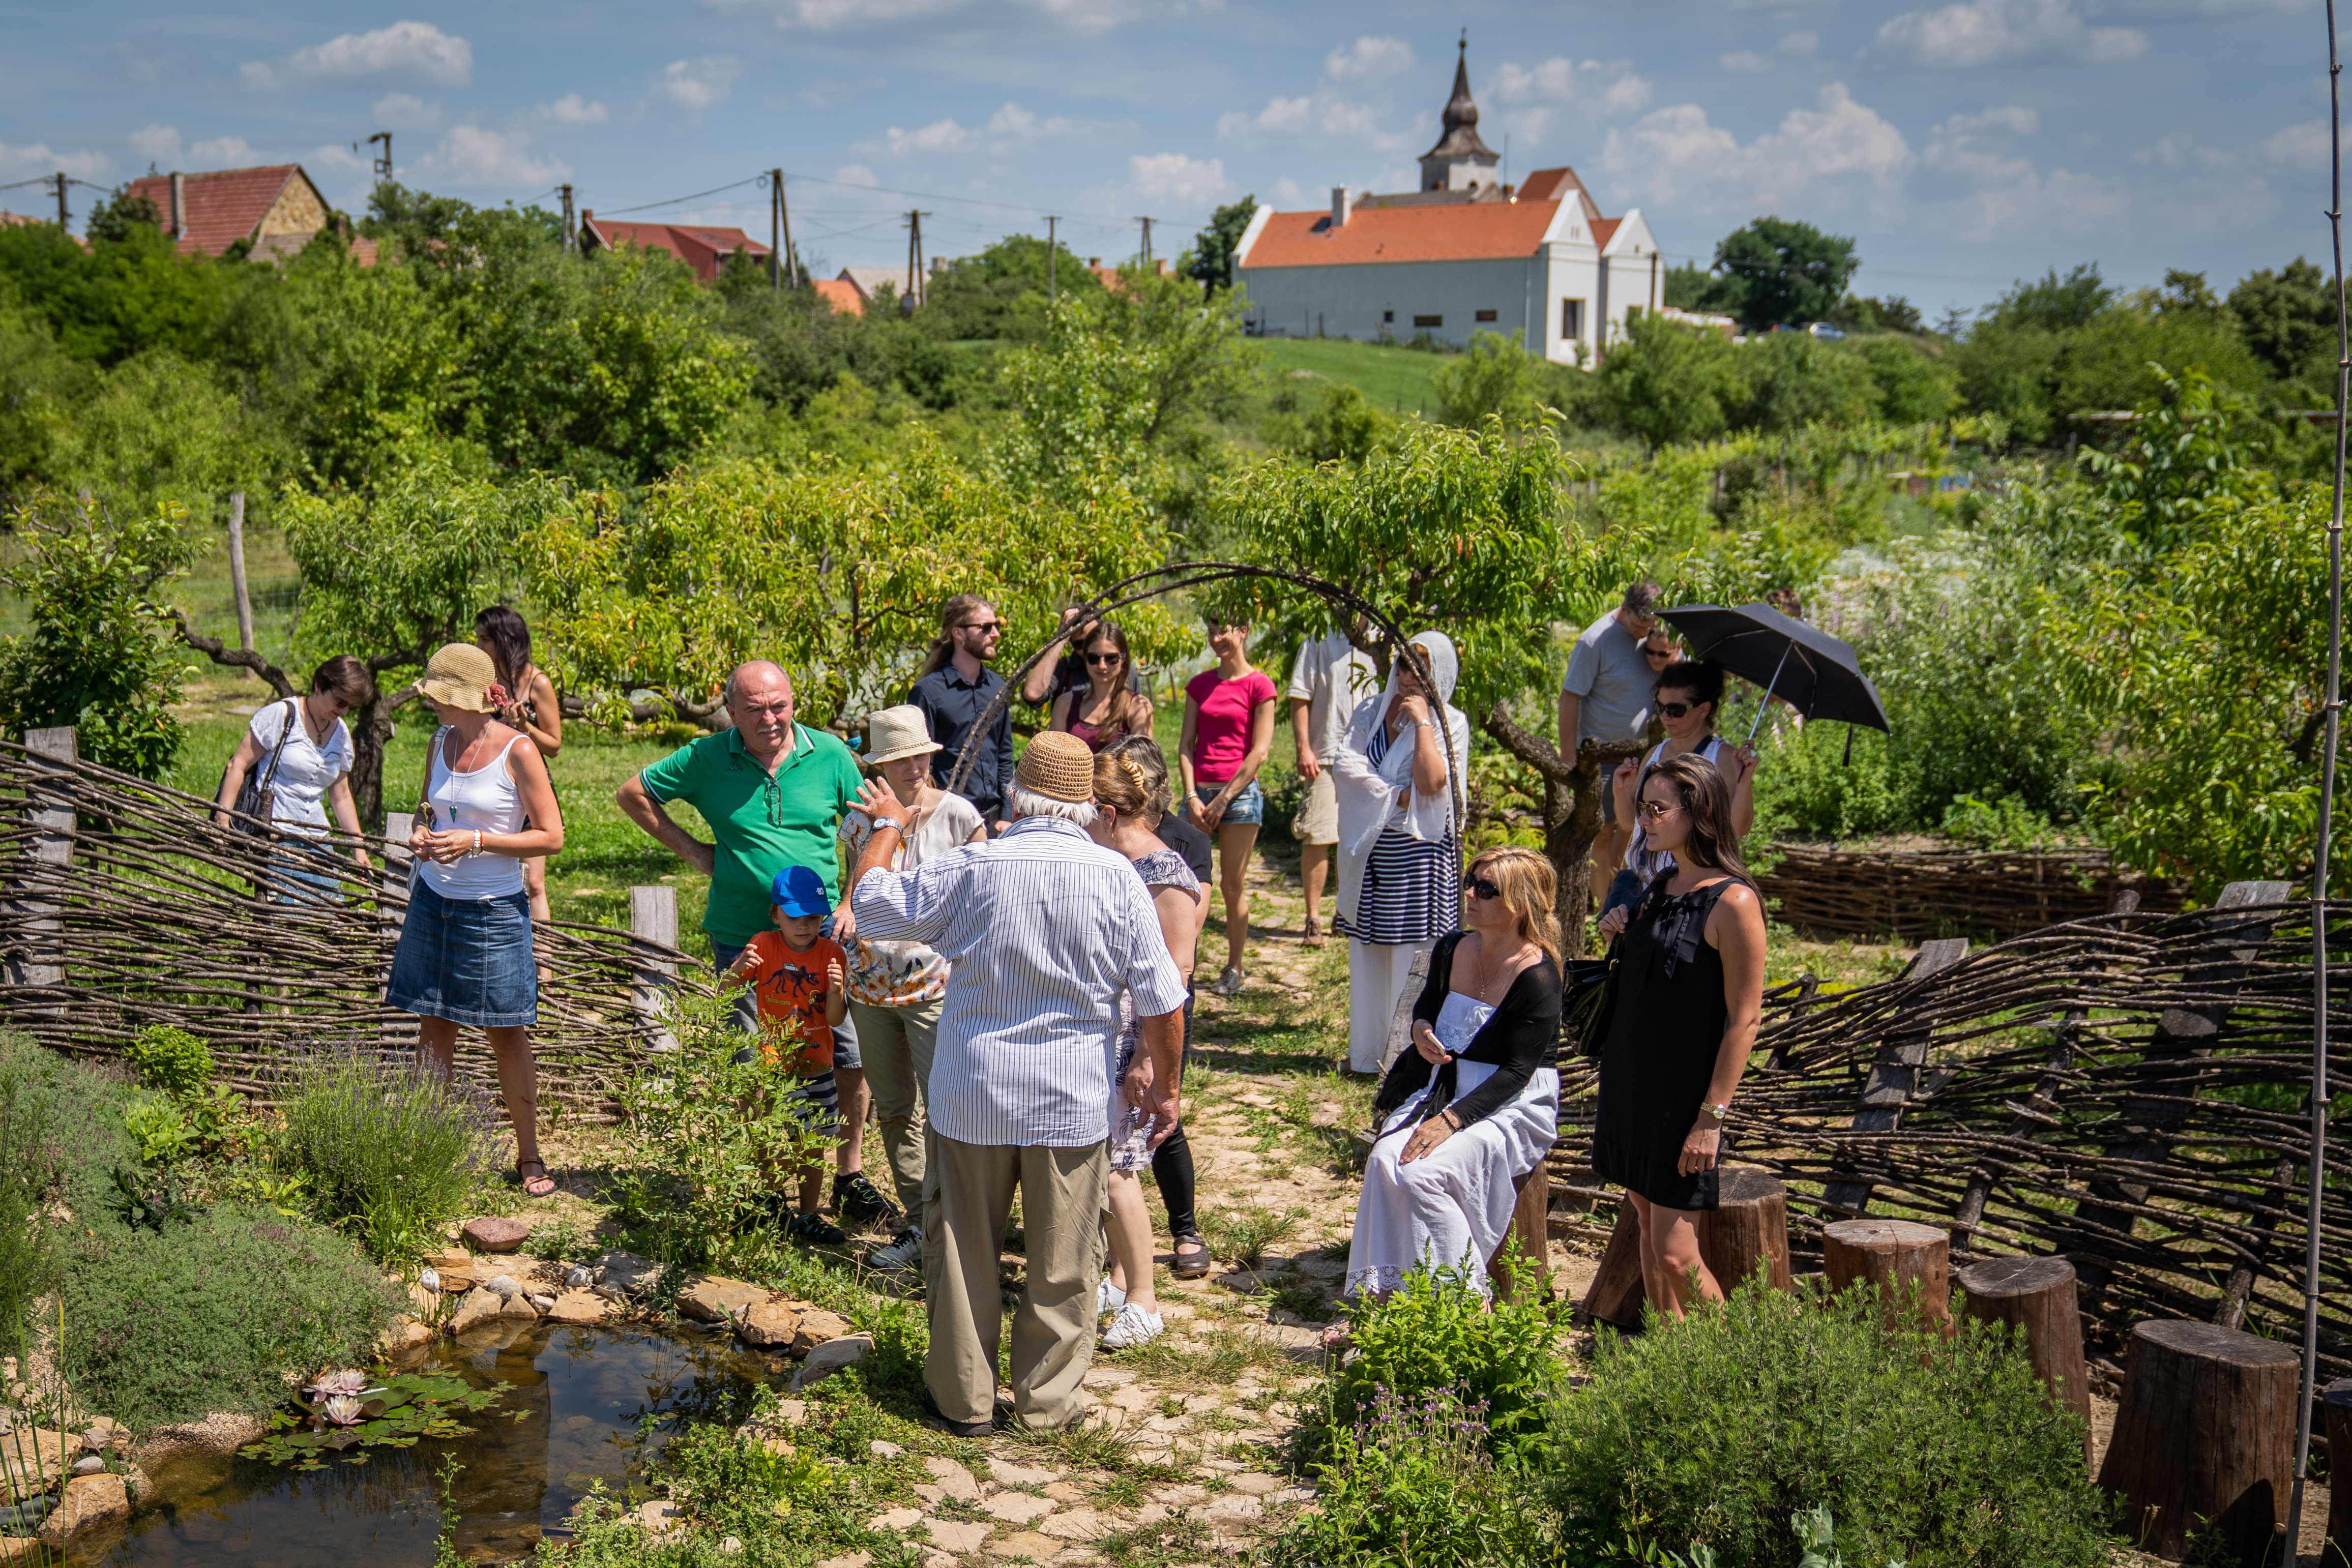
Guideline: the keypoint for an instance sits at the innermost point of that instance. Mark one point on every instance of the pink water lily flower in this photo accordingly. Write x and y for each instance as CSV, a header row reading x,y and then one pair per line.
x,y
346,1383
339,1410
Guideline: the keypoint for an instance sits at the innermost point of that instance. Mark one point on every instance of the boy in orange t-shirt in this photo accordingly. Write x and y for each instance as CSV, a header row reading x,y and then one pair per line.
x,y
796,974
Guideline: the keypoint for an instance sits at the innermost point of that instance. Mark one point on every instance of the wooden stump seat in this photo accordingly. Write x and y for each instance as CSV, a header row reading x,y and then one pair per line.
x,y
1746,1230
1530,1224
2336,1405
1901,1259
2037,1296
2204,1438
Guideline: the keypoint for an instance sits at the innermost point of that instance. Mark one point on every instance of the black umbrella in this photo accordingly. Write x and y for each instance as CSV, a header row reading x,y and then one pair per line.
x,y
1813,671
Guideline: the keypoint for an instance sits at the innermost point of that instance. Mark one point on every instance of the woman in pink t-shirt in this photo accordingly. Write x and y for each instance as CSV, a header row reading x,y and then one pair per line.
x,y
1228,731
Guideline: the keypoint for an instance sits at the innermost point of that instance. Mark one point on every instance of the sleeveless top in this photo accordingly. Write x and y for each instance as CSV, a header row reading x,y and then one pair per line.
x,y
1648,863
1663,1042
485,798
1161,868
1097,736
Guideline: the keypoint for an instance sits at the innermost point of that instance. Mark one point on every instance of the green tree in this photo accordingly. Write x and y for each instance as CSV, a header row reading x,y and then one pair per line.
x,y
2288,325
1790,272
1215,249
158,430
2055,304
1914,387
39,387
1496,378
111,221
1795,379
1693,288
1892,313
1668,383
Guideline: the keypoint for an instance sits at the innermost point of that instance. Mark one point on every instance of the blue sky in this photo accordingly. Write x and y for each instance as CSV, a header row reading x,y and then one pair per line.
x,y
1962,144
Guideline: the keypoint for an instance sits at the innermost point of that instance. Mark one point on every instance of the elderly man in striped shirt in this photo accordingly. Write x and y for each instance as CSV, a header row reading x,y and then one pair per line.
x,y
1044,929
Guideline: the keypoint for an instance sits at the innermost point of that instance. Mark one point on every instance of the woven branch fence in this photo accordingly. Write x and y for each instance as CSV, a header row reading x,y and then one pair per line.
x,y
123,905
2129,1093
1918,893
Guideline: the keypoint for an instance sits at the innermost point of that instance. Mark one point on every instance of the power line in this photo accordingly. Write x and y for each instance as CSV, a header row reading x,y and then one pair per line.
x,y
677,200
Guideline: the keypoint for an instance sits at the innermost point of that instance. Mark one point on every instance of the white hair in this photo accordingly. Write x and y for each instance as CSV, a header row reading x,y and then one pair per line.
x,y
1019,802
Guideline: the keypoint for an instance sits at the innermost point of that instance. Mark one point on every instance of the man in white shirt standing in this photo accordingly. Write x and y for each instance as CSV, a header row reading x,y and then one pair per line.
x,y
1606,696
1328,679
1043,929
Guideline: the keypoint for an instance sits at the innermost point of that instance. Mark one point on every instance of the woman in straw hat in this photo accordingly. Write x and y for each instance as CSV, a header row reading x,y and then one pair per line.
x,y
895,988
465,955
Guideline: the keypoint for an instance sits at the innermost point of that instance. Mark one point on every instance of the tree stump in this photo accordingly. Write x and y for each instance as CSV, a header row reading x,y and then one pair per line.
x,y
1747,1230
2204,1438
1615,1294
2335,1404
2037,1296
1528,1224
1895,1255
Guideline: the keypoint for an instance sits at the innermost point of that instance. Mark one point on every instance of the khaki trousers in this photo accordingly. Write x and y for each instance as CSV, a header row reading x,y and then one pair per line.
x,y
896,1044
966,1199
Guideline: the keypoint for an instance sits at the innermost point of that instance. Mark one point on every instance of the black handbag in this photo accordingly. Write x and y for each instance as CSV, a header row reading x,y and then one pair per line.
x,y
1590,1006
257,796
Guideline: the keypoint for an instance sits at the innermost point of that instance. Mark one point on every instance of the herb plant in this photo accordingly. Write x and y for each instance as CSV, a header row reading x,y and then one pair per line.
x,y
392,1150
172,1060
1411,1480
1436,1333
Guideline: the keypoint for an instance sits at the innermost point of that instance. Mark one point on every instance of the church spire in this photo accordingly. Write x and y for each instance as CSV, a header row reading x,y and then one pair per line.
x,y
1459,157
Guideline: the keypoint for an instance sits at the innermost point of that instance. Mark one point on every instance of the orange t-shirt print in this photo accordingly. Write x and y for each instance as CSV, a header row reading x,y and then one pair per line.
x,y
790,984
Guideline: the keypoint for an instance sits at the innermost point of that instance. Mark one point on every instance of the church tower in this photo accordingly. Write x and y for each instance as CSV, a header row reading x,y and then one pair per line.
x,y
1459,162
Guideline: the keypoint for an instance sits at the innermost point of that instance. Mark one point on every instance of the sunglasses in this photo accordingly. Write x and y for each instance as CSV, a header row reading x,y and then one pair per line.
x,y
1653,809
1675,710
1103,658
1481,887
1657,653
982,626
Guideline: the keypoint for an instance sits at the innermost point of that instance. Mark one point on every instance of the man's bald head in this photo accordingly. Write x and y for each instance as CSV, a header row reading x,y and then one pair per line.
x,y
760,700
753,675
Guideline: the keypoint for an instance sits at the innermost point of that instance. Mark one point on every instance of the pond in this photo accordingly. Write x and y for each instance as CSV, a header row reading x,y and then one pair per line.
x,y
595,1403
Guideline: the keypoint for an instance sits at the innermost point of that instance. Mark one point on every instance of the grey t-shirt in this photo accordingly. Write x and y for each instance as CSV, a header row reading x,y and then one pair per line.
x,y
1607,671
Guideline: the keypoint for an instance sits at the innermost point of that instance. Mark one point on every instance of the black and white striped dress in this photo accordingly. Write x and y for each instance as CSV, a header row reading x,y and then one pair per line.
x,y
1412,887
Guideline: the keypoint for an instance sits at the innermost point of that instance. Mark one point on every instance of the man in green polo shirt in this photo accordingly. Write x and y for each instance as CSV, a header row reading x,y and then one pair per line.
x,y
772,792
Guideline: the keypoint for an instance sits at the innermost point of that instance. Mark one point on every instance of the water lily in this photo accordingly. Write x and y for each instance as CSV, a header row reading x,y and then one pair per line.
x,y
340,1409
344,1383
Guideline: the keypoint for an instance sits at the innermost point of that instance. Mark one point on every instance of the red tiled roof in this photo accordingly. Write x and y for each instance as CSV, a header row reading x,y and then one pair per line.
x,y
703,248
1604,231
842,296
1455,232
224,207
1549,184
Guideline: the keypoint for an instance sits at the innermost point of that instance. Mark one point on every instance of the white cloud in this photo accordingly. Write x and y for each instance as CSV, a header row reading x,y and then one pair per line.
x,y
1009,129
570,109
160,143
336,157
2203,10
406,112
1995,31
2302,146
856,174
223,152
1311,115
1080,16
1976,147
1800,43
1821,157
404,49
1178,180
1746,60
1369,60
695,85
2179,149
470,155
1608,88
22,162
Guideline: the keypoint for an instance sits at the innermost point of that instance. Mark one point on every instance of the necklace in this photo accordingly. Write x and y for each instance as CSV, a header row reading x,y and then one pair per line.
x,y
1485,977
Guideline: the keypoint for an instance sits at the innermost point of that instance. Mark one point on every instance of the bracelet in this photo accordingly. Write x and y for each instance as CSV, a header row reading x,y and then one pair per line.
x,y
478,842
1720,1112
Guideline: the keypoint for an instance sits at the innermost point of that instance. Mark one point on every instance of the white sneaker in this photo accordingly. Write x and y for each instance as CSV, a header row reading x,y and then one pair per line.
x,y
905,1250
1132,1327
1109,1297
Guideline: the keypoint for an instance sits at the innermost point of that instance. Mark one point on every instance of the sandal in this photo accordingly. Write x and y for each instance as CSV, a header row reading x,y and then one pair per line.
x,y
1312,935
539,1185
1195,1264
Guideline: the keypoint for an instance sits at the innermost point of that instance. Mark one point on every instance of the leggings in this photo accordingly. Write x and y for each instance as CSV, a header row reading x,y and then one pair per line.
x,y
1171,1161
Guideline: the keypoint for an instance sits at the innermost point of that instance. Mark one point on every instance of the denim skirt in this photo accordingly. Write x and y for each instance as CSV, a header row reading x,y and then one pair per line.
x,y
467,960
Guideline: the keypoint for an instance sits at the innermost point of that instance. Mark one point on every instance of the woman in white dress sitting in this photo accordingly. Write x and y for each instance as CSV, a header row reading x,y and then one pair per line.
x,y
1474,1104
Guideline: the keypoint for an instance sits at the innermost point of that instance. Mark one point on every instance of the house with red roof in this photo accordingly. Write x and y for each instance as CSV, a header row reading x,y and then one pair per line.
x,y
276,211
840,295
1464,254
700,247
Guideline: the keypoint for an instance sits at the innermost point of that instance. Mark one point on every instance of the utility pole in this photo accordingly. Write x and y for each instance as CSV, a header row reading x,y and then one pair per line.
x,y
60,179
1053,256
1146,242
908,301
383,164
570,241
775,228
792,274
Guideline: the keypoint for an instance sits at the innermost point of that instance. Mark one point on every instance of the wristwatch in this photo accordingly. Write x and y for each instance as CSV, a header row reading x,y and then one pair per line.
x,y
1720,1112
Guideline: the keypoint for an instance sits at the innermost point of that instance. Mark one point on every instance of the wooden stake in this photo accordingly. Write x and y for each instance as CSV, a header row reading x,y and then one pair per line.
x,y
236,571
653,931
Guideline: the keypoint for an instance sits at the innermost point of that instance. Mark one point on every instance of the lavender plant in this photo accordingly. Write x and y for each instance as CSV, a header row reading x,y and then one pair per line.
x,y
1411,1480
392,1151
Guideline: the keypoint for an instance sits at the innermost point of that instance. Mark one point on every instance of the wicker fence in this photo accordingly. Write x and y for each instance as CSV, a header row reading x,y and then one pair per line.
x,y
2130,1093
122,905
1918,893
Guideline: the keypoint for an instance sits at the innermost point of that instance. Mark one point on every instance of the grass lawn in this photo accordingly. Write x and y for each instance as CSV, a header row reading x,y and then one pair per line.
x,y
1397,381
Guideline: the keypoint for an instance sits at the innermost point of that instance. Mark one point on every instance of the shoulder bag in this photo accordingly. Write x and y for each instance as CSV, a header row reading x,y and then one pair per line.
x,y
257,798
1589,1005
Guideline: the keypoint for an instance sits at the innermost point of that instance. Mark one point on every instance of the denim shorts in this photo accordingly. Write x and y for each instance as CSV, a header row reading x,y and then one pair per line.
x,y
467,960
1247,808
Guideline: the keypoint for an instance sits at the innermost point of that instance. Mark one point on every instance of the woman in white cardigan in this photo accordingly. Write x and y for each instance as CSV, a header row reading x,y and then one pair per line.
x,y
1401,806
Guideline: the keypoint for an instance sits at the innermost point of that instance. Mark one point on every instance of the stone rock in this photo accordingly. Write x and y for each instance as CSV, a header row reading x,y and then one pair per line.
x,y
1171,1424
24,1548
854,1560
578,1307
1180,1496
881,1449
815,1328
932,1495
517,1307
764,1323
831,1357
1030,1545
479,1309
897,1518
542,1305
713,1300
730,1545
953,1478
1020,1475
503,1286
24,1473
1101,1376
496,1233
406,1333
1133,1398
1063,1492
450,1259
1237,1506
1151,1513
1016,1506
627,1273
1256,1483
955,1537
89,1503
216,1436
1223,1466
423,1303
88,1464
1080,1524
659,1518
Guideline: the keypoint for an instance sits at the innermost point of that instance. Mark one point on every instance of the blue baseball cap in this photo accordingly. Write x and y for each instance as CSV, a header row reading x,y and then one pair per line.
x,y
797,890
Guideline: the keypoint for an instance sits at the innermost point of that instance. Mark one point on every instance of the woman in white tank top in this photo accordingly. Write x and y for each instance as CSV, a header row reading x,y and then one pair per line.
x,y
465,955
1687,698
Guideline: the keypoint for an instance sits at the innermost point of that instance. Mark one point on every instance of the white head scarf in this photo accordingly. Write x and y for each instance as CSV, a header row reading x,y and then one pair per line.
x,y
1368,796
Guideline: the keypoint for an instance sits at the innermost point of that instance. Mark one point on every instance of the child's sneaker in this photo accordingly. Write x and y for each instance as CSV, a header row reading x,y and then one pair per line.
x,y
857,1198
815,1231
1132,1327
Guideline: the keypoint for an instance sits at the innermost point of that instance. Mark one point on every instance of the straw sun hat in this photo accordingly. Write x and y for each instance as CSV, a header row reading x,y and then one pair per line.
x,y
459,675
1057,765
892,733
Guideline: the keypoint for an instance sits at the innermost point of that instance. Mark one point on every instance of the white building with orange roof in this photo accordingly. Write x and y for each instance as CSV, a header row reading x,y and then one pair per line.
x,y
1464,254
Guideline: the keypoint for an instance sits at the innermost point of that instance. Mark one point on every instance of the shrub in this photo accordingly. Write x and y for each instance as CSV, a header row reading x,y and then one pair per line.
x,y
162,1131
171,1060
1436,1334
171,1325
1715,1431
389,1146
1411,1481
86,1131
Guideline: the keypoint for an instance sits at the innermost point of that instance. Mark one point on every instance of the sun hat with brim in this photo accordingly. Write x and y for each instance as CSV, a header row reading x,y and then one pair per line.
x,y
1058,765
892,733
459,675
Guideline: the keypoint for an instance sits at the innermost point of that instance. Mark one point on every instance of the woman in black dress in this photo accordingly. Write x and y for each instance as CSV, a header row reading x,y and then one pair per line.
x,y
1690,990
